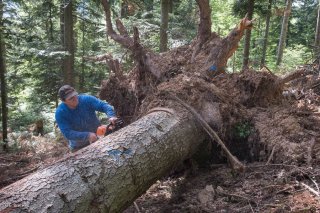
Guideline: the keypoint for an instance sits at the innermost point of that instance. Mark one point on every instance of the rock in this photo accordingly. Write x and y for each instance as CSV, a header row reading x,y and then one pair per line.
x,y
219,189
206,195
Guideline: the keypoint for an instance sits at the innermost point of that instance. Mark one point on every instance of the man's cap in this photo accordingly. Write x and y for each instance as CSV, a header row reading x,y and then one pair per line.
x,y
66,92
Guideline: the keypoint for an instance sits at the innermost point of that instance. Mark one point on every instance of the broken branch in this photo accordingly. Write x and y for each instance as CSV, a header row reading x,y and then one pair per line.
x,y
310,189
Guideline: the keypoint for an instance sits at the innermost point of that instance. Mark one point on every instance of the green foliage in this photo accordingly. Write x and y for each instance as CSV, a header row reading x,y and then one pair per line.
x,y
21,118
222,19
239,7
149,28
294,56
301,31
179,23
242,130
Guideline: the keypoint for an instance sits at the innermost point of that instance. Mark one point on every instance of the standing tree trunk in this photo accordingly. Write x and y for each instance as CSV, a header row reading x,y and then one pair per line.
x,y
265,40
149,5
284,30
83,31
317,35
110,174
149,8
68,42
204,29
49,24
124,9
165,6
4,111
246,51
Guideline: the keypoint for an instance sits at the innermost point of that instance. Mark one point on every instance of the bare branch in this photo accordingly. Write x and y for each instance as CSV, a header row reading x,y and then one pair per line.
x,y
113,64
106,6
136,37
122,30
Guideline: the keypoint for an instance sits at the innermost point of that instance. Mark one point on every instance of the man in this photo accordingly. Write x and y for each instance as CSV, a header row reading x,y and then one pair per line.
x,y
76,117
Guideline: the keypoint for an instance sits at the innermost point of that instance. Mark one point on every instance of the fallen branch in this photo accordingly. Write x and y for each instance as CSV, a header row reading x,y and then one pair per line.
x,y
310,189
249,200
310,151
315,183
291,76
284,190
5,159
137,207
265,67
314,86
251,207
236,165
271,155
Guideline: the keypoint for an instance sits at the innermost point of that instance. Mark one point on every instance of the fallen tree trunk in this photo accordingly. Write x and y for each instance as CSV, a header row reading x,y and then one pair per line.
x,y
110,174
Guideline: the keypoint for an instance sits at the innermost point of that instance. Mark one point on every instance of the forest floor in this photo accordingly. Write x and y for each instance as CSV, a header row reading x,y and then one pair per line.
x,y
282,161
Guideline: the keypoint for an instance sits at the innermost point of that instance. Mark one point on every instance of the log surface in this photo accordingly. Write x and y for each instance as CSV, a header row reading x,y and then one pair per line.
x,y
110,174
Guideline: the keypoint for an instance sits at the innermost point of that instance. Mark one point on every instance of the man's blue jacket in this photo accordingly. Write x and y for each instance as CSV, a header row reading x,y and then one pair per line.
x,y
76,124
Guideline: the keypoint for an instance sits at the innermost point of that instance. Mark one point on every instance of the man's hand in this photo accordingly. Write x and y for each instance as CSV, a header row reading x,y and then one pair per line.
x,y
92,137
113,120
101,131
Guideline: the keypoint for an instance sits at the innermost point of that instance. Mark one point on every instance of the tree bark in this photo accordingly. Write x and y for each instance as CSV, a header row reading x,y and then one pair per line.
x,y
124,9
110,174
266,35
224,49
165,6
4,109
317,38
246,51
317,34
50,24
204,29
284,30
68,43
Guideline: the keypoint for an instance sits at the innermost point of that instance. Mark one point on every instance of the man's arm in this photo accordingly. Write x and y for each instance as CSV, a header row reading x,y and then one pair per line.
x,y
67,131
102,106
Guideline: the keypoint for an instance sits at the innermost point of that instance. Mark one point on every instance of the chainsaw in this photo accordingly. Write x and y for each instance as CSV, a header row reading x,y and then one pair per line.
x,y
104,130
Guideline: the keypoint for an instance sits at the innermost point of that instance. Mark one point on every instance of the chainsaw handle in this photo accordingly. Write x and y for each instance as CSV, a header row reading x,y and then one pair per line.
x,y
111,127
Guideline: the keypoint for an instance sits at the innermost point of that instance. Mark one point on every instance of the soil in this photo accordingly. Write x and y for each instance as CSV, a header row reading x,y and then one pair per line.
x,y
272,128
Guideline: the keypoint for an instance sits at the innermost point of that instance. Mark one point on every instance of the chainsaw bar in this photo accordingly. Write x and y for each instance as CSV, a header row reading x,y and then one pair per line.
x,y
118,124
